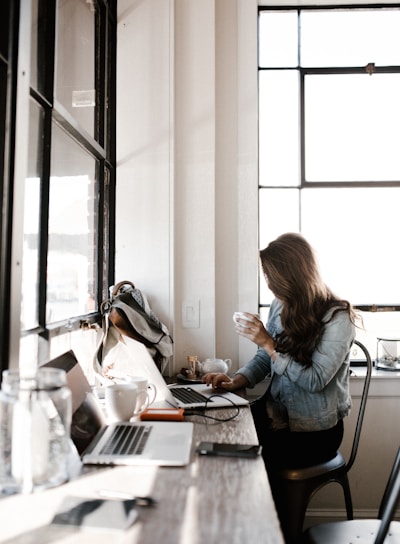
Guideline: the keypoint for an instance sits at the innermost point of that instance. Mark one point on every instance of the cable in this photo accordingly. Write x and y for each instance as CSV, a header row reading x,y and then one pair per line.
x,y
198,413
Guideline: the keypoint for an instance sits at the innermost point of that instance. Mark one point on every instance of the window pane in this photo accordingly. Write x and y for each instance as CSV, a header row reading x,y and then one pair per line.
x,y
350,38
72,249
75,60
278,39
30,263
354,239
356,138
279,213
279,128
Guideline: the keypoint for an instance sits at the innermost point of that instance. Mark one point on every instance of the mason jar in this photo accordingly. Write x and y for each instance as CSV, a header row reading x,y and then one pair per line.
x,y
35,423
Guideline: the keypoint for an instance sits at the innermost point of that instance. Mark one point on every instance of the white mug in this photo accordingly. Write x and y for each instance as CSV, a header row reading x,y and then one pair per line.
x,y
241,315
144,385
121,401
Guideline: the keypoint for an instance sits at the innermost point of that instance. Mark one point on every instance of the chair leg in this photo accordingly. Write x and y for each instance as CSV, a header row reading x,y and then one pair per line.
x,y
347,496
291,506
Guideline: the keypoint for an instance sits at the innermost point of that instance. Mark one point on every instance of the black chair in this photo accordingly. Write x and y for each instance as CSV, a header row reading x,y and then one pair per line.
x,y
298,485
367,531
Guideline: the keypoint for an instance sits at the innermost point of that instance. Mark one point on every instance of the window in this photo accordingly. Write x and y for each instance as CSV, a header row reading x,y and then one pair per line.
x,y
329,132
67,224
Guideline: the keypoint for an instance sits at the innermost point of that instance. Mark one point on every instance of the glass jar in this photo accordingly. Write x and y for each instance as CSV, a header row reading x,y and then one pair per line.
x,y
35,423
388,353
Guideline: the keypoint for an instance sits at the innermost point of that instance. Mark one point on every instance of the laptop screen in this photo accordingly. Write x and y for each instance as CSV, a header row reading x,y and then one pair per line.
x,y
87,416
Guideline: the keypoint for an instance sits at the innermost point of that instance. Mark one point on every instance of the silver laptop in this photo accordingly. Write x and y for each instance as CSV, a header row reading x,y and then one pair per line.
x,y
125,443
135,360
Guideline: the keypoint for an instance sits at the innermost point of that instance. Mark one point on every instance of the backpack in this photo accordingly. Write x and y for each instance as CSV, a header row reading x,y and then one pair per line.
x,y
127,312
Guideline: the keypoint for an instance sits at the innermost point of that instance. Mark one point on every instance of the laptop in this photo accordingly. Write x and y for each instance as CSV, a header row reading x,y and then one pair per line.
x,y
134,359
161,443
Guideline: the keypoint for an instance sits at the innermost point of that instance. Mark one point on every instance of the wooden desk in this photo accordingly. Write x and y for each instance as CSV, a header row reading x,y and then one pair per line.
x,y
211,501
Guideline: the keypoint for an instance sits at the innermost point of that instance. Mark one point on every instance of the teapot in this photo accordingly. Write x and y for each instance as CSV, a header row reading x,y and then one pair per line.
x,y
215,365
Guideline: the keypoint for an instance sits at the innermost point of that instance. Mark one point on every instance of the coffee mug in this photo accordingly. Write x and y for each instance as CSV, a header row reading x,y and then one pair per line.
x,y
143,385
121,400
241,315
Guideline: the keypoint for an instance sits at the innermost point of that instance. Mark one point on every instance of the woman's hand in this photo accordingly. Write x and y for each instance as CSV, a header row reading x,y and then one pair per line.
x,y
223,381
253,329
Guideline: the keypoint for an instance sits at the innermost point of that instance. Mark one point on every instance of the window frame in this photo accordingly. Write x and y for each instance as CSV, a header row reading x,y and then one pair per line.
x,y
303,72
9,62
101,146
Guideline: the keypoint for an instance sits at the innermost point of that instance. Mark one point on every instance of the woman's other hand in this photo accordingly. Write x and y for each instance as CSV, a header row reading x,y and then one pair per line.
x,y
223,381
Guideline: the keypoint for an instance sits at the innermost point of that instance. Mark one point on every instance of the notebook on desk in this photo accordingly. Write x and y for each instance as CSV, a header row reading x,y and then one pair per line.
x,y
135,360
165,443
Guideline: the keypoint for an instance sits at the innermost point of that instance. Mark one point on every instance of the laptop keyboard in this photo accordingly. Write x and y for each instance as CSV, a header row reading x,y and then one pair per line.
x,y
188,395
127,440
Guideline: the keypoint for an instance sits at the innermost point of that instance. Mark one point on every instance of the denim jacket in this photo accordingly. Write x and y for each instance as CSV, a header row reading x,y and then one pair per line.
x,y
306,398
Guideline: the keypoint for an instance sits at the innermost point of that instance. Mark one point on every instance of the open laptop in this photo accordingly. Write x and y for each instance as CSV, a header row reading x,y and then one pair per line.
x,y
163,443
135,360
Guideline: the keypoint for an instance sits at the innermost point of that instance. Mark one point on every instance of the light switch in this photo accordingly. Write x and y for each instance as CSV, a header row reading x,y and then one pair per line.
x,y
191,314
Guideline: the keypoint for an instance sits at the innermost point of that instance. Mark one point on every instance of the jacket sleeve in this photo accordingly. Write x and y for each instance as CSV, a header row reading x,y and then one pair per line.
x,y
257,368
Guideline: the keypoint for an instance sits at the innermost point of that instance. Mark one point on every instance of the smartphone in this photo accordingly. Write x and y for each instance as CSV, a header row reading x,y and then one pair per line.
x,y
229,450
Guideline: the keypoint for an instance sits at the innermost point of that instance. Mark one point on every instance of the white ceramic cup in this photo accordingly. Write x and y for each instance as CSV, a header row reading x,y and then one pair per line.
x,y
241,315
121,400
144,386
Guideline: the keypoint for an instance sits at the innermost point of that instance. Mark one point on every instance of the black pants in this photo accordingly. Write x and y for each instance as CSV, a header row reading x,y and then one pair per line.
x,y
285,449
294,449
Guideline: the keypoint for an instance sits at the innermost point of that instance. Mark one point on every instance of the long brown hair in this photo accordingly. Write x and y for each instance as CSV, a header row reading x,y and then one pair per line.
x,y
292,273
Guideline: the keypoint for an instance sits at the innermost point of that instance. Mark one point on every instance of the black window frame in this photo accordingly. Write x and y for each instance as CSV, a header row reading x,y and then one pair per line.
x,y
102,147
9,62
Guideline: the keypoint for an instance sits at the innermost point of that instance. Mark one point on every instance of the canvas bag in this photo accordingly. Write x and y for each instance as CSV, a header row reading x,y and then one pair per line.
x,y
127,313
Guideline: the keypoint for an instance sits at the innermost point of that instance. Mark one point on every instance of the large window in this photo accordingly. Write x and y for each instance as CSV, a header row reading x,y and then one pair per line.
x,y
329,134
67,221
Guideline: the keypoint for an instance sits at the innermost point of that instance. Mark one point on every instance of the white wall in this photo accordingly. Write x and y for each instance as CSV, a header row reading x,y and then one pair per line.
x,y
187,165
144,143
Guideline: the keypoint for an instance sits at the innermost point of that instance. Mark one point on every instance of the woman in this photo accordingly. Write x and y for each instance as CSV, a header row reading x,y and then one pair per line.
x,y
305,349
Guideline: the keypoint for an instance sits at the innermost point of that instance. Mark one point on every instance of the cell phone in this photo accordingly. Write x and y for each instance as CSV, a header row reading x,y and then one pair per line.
x,y
249,451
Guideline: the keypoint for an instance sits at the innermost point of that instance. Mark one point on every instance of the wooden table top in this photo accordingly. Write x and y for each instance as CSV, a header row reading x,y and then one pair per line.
x,y
213,500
